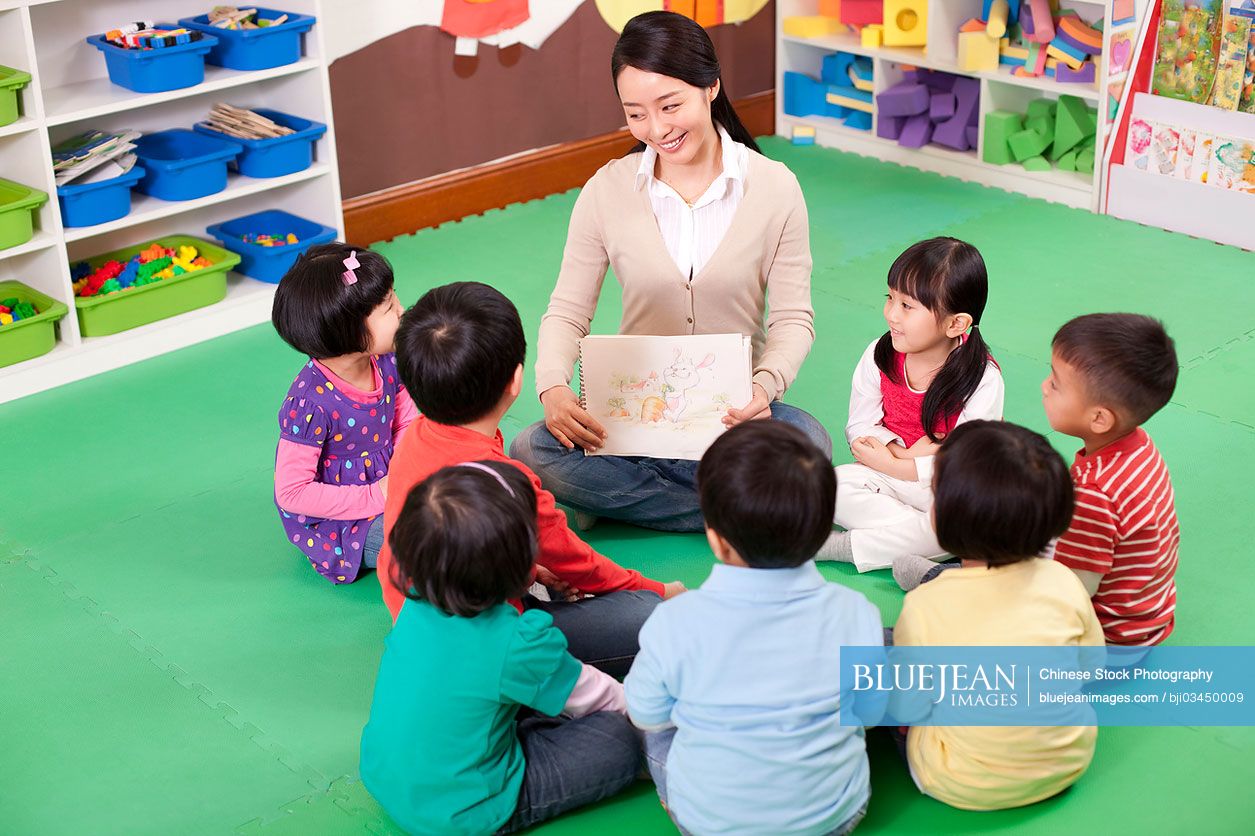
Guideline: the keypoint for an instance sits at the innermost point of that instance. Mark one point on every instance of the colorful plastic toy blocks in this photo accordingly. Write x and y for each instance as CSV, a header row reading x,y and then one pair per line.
x,y
14,310
152,265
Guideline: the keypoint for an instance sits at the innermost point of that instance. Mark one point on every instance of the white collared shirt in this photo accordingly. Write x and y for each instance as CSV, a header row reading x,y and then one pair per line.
x,y
692,234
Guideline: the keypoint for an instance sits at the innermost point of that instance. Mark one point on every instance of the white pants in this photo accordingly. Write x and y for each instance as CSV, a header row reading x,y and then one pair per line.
x,y
886,517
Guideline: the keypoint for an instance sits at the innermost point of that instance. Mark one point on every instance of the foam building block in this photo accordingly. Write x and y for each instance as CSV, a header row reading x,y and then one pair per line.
x,y
1040,107
904,99
835,68
1026,144
906,22
1043,25
859,120
936,80
872,36
974,24
853,12
1085,161
916,131
1085,75
849,98
1068,161
1072,124
1067,55
803,95
803,135
813,26
997,14
1036,164
1000,126
941,106
861,73
973,135
952,133
889,127
1012,15
1078,34
977,52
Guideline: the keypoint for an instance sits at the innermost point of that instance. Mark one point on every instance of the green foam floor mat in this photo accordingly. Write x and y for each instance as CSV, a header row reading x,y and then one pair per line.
x,y
181,669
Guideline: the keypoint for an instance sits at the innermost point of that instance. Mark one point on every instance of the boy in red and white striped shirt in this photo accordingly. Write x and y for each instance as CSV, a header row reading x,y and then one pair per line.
x,y
1109,373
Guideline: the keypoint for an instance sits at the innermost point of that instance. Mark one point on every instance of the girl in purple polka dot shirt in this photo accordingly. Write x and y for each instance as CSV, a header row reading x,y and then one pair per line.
x,y
346,409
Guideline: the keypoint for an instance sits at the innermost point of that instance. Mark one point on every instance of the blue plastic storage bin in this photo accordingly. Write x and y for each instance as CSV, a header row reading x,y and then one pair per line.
x,y
183,165
156,70
255,49
274,157
269,264
88,204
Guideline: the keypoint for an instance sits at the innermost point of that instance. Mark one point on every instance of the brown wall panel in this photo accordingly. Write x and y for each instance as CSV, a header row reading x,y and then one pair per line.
x,y
406,108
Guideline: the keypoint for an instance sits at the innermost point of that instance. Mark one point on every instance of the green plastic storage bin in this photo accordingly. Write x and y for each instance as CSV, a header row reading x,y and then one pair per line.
x,y
17,212
101,315
35,335
11,81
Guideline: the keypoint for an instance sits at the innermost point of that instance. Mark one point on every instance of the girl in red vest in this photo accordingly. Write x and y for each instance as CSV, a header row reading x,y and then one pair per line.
x,y
930,372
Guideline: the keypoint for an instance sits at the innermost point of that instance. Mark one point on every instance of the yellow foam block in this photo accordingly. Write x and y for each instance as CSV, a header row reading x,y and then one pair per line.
x,y
906,23
873,35
852,104
998,11
1013,51
803,130
815,26
866,85
977,51
1060,55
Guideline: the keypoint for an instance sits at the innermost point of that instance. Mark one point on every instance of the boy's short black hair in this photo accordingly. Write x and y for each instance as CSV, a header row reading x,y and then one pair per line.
x,y
457,350
317,313
770,492
464,542
1001,493
1128,361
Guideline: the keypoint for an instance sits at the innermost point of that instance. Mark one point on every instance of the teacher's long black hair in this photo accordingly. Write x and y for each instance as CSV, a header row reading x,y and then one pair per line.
x,y
673,45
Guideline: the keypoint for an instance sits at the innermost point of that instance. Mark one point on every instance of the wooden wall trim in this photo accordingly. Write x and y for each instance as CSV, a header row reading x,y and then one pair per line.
x,y
407,208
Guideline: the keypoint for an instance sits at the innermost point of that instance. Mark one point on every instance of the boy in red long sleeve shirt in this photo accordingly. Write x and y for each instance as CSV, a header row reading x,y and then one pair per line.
x,y
460,353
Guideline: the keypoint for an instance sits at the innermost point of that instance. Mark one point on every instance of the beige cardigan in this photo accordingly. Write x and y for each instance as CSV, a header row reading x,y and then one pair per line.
x,y
765,253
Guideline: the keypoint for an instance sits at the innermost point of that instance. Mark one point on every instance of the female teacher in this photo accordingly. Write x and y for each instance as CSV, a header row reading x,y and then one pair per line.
x,y
703,233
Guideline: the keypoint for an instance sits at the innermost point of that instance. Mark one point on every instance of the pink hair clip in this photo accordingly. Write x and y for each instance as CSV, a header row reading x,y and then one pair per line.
x,y
351,263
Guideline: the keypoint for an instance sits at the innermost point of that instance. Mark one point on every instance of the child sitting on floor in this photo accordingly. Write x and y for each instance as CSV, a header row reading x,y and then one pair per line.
x,y
344,412
929,373
1109,373
738,683
464,735
1002,494
460,350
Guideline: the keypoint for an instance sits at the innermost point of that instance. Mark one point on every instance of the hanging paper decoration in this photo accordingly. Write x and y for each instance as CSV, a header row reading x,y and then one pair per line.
x,y
706,12
481,18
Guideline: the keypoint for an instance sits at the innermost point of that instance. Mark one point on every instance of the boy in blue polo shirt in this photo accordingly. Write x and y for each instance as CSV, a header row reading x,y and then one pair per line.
x,y
737,684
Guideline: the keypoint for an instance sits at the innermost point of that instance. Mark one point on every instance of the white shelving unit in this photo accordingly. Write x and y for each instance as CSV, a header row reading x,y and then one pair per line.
x,y
998,91
70,92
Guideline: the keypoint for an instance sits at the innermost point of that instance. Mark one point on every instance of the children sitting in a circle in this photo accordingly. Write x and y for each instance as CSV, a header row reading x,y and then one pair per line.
x,y
498,702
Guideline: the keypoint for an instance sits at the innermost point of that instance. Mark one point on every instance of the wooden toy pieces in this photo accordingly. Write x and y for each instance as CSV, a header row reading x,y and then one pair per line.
x,y
929,106
244,124
1062,133
229,17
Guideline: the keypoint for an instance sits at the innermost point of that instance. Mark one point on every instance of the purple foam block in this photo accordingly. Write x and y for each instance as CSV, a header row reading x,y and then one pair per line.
x,y
940,82
972,133
952,134
1065,74
903,99
916,132
889,127
1075,44
941,106
912,76
966,100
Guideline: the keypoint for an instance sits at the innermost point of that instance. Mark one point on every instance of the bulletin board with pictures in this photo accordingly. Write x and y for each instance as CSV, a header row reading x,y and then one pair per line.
x,y
1183,154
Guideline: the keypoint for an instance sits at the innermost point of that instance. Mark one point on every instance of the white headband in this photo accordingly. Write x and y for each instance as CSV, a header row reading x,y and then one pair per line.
x,y
491,472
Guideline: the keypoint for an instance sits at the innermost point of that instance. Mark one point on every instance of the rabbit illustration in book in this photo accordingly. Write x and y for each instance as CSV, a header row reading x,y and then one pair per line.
x,y
680,377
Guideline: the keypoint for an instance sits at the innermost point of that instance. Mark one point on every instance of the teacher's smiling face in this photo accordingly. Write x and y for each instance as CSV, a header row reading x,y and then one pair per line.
x,y
667,114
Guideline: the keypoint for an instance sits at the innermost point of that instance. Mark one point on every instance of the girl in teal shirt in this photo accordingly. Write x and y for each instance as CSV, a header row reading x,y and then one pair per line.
x,y
482,722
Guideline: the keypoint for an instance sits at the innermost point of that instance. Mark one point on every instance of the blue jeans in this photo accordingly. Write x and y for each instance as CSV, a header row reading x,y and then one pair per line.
x,y
373,544
601,631
654,493
571,763
658,746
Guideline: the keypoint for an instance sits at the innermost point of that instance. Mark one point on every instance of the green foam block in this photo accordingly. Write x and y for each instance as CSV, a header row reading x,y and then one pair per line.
x,y
1041,107
1085,160
1027,144
1036,164
1067,162
1000,126
1072,124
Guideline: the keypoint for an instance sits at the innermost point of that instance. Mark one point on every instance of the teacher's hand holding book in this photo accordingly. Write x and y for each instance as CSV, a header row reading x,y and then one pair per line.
x,y
569,422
